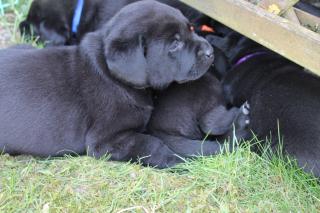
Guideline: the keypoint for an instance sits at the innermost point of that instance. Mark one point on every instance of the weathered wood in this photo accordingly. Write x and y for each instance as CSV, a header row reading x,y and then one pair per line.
x,y
276,33
307,19
283,5
291,15
285,8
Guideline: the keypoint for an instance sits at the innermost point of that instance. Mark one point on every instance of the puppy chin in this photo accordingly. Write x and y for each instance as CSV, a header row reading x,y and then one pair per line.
x,y
160,86
139,87
183,81
195,74
199,69
135,86
155,86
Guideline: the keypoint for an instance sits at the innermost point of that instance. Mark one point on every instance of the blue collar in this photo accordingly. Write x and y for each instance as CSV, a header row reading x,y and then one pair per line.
x,y
77,16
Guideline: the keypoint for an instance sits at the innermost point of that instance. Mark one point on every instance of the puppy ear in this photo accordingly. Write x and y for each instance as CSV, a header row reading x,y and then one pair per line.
x,y
126,61
221,64
218,42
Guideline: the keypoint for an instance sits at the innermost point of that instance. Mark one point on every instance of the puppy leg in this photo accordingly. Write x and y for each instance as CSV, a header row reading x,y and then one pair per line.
x,y
186,148
146,149
309,162
218,121
227,123
241,123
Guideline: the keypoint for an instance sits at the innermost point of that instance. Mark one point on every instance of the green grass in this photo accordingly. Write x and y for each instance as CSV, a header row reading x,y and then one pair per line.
x,y
235,182
9,22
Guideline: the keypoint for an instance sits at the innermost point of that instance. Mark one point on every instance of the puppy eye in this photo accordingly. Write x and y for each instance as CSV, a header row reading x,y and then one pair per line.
x,y
145,50
177,44
143,43
191,27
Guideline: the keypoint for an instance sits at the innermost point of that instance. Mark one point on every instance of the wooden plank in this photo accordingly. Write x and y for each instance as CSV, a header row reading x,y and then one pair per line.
x,y
308,19
291,15
276,33
281,7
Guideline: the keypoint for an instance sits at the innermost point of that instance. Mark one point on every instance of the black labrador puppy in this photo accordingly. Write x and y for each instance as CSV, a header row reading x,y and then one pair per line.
x,y
186,114
63,22
283,97
92,98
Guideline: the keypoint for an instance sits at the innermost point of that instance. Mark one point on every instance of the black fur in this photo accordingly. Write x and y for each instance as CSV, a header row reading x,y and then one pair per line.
x,y
280,93
185,115
88,98
51,21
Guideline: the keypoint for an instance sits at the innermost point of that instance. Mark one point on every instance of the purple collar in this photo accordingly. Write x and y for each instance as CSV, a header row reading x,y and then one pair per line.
x,y
247,57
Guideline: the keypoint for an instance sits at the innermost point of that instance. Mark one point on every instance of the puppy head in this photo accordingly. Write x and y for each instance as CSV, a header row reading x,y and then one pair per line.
x,y
230,49
234,45
48,22
149,44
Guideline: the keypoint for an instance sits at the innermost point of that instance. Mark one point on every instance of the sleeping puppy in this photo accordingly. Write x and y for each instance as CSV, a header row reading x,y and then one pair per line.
x,y
55,22
91,98
186,114
282,96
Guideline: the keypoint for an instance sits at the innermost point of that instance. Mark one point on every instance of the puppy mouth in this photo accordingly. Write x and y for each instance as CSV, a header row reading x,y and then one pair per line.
x,y
183,81
193,75
196,73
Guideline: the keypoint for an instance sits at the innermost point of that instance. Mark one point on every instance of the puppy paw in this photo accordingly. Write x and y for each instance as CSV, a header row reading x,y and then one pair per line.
x,y
242,122
245,108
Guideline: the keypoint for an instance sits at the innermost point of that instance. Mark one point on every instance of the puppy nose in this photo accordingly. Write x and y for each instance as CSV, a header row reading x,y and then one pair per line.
x,y
206,50
209,52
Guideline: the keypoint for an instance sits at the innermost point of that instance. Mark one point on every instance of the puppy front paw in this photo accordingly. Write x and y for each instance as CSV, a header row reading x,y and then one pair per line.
x,y
242,122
